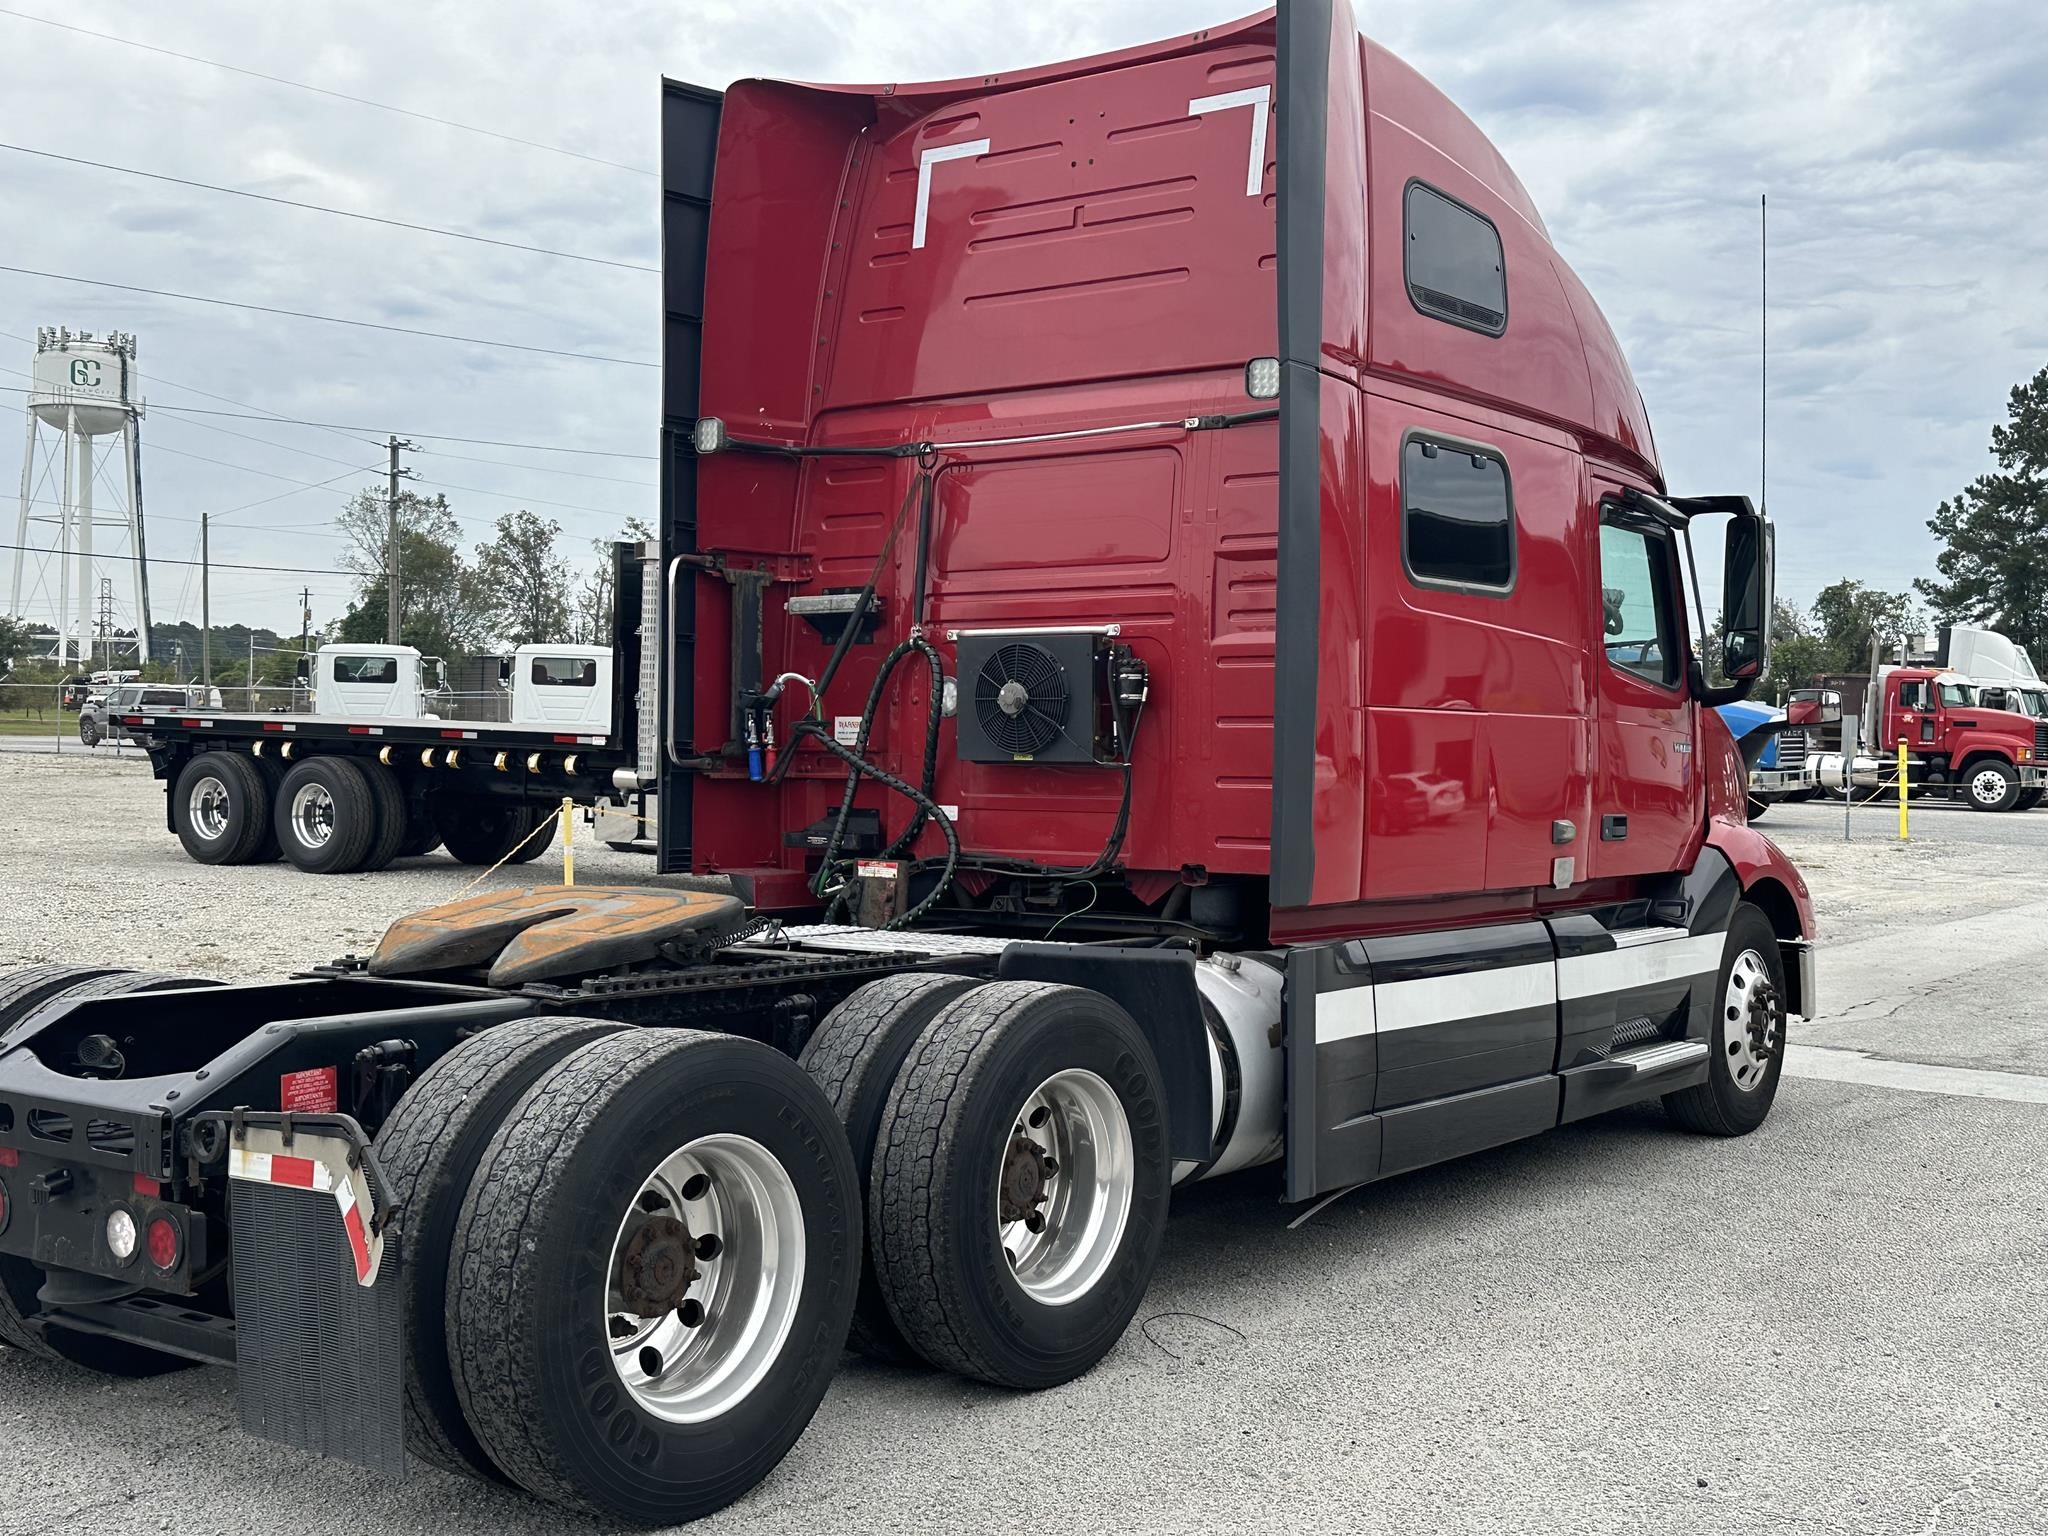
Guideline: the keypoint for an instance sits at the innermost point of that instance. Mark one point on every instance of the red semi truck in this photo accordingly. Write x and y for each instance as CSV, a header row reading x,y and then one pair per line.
x,y
1993,759
1169,617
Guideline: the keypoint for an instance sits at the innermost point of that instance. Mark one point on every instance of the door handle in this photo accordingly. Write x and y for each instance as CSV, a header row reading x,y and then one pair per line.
x,y
1613,829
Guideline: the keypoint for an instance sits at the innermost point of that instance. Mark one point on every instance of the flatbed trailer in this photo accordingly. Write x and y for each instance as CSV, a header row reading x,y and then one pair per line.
x,y
1153,724
335,795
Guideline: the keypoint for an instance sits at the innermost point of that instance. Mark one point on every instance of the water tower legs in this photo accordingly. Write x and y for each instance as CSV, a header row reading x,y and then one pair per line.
x,y
28,461
81,508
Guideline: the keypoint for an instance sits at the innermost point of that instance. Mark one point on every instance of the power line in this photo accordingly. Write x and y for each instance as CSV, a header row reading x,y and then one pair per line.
x,y
318,90
246,469
301,314
296,421
344,213
537,469
565,506
218,565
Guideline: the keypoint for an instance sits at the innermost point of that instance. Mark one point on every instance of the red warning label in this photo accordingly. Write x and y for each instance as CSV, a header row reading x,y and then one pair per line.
x,y
311,1092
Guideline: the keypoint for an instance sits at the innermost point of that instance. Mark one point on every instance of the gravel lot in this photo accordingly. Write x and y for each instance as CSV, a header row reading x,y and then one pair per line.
x,y
1835,1324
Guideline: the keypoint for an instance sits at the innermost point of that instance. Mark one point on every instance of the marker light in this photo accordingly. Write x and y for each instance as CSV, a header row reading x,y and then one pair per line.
x,y
1262,378
121,1234
710,435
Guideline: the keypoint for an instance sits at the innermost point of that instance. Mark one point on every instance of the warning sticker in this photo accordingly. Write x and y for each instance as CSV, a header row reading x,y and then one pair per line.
x,y
846,729
877,869
311,1092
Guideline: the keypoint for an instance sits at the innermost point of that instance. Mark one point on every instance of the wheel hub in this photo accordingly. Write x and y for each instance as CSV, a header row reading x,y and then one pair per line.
x,y
1754,1012
658,1265
1025,1176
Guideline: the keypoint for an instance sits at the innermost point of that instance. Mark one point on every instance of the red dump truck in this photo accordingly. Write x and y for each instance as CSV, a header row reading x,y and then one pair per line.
x,y
1168,616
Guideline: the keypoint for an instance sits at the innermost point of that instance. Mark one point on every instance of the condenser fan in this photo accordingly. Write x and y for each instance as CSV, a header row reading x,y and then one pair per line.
x,y
1021,699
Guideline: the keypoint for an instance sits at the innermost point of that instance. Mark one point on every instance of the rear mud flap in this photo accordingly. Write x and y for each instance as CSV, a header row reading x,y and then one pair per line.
x,y
319,1327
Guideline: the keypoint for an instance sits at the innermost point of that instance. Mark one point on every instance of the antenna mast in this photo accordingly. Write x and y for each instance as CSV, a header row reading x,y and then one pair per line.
x,y
1763,427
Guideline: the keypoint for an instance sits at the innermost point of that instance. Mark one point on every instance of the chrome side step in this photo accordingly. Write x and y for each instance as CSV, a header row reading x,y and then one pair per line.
x,y
1662,1057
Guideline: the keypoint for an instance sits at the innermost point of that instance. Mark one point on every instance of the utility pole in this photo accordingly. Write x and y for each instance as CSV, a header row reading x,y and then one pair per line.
x,y
305,619
391,543
252,670
205,604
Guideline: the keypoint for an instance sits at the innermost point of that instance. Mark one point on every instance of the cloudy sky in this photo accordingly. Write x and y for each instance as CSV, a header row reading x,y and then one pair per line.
x,y
1902,146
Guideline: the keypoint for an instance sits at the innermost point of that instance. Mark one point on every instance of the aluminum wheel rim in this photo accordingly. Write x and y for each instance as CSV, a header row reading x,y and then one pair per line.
x,y
1752,1020
208,808
1989,787
1073,1127
703,1357
312,815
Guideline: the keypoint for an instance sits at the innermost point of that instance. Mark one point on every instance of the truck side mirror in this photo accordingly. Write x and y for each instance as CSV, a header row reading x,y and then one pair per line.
x,y
304,672
1813,706
1747,574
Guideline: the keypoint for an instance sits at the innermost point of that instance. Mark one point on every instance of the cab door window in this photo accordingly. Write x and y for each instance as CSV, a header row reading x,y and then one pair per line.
x,y
1638,615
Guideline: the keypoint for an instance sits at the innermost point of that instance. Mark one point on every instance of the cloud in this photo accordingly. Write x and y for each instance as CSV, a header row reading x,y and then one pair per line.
x,y
1901,147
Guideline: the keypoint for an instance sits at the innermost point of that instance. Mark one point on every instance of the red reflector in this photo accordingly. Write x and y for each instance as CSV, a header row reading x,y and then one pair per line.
x,y
268,725
181,722
295,1171
452,735
9,1158
165,1243
145,1185
359,730
570,740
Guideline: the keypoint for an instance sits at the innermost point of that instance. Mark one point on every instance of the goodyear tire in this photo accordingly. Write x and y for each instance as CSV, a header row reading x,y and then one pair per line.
x,y
855,1056
389,796
429,1148
477,829
655,1267
325,816
1019,1195
538,836
19,1278
1746,1055
220,805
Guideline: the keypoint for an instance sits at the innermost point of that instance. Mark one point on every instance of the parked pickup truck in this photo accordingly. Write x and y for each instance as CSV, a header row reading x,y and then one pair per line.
x,y
102,715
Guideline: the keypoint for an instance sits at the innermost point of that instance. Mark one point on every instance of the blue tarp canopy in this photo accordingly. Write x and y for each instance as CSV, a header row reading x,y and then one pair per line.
x,y
1745,717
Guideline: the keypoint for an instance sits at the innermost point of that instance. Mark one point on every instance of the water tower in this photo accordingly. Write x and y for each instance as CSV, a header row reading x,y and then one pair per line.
x,y
84,419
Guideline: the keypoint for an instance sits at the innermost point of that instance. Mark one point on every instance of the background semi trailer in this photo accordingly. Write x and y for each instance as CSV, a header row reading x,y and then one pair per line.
x,y
1168,617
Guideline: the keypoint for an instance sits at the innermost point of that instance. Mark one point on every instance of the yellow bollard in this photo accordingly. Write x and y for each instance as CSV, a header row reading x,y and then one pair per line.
x,y
569,838
1902,789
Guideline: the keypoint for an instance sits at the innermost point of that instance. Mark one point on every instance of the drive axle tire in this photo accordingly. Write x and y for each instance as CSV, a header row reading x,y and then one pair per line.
x,y
855,1056
1757,808
1991,784
326,816
221,808
1746,1054
655,1266
389,796
421,835
1020,1190
539,835
2029,798
429,1148
479,830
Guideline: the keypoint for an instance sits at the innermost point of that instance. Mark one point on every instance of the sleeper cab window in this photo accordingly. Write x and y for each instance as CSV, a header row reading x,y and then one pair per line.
x,y
1637,612
366,669
1455,269
564,672
1457,516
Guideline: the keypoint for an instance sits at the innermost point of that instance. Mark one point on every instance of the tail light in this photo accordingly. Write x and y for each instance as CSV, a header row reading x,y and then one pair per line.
x,y
166,1243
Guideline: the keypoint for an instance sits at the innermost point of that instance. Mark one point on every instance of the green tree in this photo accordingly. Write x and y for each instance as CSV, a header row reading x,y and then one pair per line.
x,y
441,610
1994,532
527,581
593,600
1846,616
14,642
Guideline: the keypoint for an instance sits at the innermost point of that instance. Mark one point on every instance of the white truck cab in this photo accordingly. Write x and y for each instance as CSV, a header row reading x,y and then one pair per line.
x,y
568,687
374,682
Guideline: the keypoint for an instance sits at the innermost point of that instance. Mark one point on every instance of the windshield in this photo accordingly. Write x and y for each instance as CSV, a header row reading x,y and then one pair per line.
x,y
2029,701
1958,696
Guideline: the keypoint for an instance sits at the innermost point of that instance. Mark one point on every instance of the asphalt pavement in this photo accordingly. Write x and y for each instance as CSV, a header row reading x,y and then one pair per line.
x,y
1838,1323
